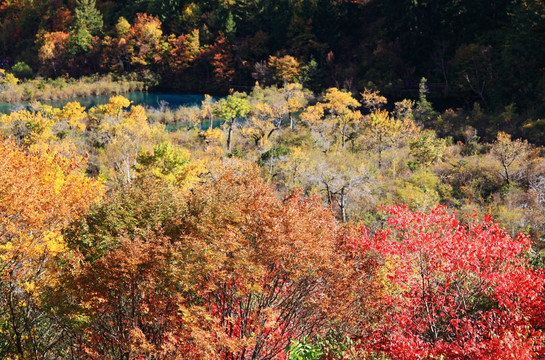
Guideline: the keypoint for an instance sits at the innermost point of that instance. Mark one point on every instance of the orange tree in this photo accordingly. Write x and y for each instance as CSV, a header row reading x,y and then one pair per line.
x,y
40,193
227,272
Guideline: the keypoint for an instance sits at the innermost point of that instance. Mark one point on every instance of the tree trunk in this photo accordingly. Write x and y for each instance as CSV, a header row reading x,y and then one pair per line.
x,y
344,135
292,122
270,133
379,151
379,157
342,205
506,170
230,135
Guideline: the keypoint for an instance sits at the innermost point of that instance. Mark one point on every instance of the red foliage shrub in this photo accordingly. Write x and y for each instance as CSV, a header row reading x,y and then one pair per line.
x,y
454,291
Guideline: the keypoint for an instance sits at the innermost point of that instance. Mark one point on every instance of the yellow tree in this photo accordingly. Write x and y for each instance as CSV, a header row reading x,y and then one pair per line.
x,y
207,110
268,110
145,40
104,118
116,105
110,113
73,113
295,98
128,138
258,126
41,193
43,126
508,153
336,114
28,127
382,130
172,164
52,49
372,100
286,68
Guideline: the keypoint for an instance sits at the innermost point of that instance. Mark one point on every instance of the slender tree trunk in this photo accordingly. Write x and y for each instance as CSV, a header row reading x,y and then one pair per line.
x,y
506,170
230,135
379,157
344,135
13,319
329,197
292,122
379,151
342,205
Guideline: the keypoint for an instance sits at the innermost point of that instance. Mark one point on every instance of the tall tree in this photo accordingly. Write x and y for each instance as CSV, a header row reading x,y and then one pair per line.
x,y
381,131
508,153
41,194
231,109
87,16
228,272
335,115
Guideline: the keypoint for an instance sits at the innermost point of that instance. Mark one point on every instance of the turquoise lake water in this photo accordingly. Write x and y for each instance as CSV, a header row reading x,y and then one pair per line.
x,y
152,100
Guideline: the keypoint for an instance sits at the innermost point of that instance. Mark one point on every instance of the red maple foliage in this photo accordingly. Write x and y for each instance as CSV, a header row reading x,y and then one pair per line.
x,y
454,291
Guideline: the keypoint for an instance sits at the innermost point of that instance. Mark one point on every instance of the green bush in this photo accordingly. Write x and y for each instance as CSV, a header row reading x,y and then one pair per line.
x,y
21,71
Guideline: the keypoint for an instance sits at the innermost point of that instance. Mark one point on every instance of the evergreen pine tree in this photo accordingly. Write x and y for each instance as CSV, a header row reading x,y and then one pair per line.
x,y
424,113
87,16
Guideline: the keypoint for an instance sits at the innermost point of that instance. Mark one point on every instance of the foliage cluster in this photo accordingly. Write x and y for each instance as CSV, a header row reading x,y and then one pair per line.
x,y
236,236
469,51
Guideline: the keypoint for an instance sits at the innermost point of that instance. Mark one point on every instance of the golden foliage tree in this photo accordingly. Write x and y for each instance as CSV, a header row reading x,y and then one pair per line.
x,y
335,115
40,193
508,152
286,68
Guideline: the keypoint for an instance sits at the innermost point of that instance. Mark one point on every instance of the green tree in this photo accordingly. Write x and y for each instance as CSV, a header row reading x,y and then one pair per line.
x,y
382,130
80,41
172,164
230,26
21,70
230,109
424,112
122,27
427,148
304,350
87,16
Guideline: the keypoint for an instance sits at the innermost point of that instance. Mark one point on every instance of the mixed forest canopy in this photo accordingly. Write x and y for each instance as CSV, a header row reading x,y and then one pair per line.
x,y
368,183
133,233
469,51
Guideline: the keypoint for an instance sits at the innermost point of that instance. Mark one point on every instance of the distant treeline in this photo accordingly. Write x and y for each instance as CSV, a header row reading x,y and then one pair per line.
x,y
470,51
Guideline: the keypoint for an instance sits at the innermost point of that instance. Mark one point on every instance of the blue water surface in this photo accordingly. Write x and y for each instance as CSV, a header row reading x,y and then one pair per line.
x,y
146,99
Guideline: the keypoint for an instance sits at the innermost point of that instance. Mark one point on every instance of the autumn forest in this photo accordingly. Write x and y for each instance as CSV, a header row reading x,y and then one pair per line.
x,y
358,180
